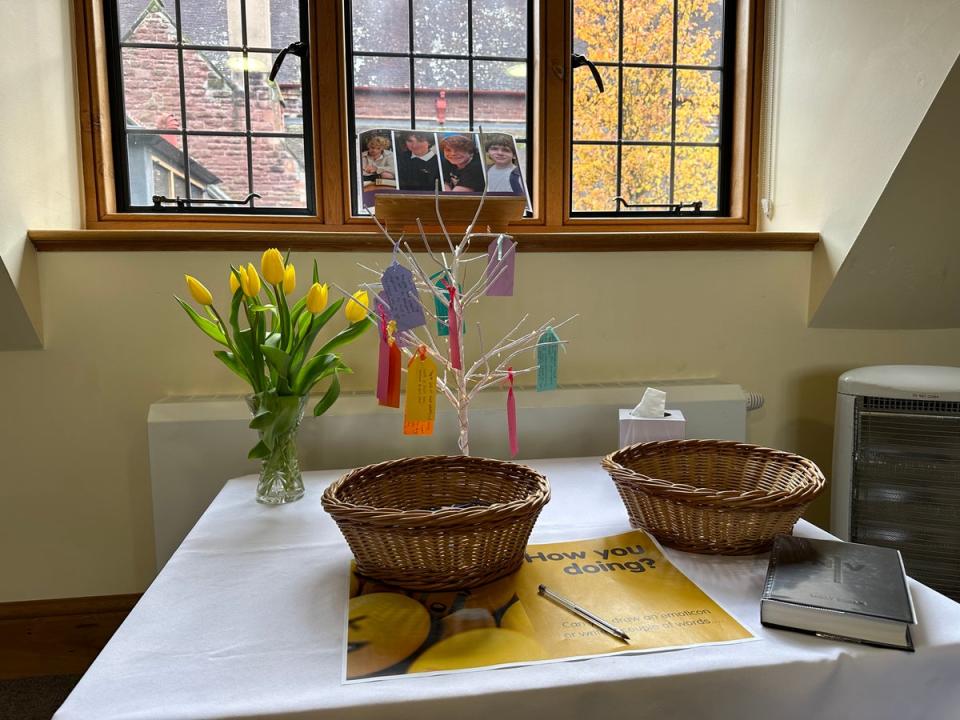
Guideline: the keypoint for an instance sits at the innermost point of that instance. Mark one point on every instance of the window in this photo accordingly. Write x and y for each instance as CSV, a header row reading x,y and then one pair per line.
x,y
655,139
178,96
191,81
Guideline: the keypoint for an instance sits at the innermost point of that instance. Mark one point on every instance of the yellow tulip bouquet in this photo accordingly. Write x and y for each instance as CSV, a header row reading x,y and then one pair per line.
x,y
273,354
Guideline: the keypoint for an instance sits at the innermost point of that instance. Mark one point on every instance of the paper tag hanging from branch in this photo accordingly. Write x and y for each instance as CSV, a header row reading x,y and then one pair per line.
x,y
512,416
548,347
441,307
501,263
383,359
401,294
421,406
453,322
388,380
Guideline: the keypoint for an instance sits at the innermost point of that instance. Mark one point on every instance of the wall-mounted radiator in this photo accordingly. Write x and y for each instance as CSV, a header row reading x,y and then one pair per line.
x,y
198,443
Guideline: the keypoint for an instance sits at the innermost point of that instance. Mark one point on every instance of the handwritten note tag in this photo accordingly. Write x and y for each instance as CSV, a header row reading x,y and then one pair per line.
x,y
548,347
401,295
421,406
501,263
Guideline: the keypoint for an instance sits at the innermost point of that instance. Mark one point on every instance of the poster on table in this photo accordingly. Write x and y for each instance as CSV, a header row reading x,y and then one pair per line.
x,y
418,162
624,579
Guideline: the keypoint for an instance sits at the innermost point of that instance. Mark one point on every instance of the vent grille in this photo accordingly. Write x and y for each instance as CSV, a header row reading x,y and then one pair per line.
x,y
906,485
931,407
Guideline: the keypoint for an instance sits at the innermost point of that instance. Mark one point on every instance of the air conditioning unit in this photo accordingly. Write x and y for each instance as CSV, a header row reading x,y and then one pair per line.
x,y
896,467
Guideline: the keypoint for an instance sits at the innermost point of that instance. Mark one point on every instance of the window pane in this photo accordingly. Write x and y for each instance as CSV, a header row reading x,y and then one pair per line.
x,y
500,97
648,31
440,26
380,25
490,20
594,178
211,23
442,95
698,106
214,95
596,30
381,93
151,162
647,101
699,32
645,174
146,22
697,172
151,88
595,113
278,172
220,161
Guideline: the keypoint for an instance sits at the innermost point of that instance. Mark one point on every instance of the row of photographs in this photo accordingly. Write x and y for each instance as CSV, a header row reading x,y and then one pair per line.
x,y
417,161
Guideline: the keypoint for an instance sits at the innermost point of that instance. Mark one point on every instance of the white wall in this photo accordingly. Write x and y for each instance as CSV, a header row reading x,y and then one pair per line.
x,y
74,491
39,182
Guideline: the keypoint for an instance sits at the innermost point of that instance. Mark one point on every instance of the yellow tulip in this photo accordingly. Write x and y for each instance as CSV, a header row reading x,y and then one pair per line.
x,y
250,281
356,309
289,279
199,292
317,298
271,264
234,283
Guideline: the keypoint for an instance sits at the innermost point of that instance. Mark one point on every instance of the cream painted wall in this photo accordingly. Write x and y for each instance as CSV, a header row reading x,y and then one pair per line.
x,y
855,79
39,183
75,512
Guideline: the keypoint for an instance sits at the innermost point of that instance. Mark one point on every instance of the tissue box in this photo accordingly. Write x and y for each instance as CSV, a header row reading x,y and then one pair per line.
x,y
637,430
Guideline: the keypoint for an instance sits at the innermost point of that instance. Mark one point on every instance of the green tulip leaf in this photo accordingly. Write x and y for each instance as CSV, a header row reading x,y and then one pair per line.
x,y
315,369
329,397
263,308
231,362
259,452
347,335
316,271
262,419
209,327
272,339
277,359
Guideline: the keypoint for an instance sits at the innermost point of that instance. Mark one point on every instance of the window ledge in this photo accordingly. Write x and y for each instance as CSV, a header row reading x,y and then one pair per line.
x,y
313,241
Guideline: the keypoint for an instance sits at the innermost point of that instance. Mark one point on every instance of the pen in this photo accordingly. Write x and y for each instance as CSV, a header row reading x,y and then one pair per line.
x,y
585,614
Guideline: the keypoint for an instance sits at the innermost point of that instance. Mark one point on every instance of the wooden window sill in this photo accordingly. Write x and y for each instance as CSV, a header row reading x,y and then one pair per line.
x,y
542,240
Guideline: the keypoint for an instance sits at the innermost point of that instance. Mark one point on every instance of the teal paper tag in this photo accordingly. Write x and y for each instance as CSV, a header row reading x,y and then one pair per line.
x,y
442,307
548,347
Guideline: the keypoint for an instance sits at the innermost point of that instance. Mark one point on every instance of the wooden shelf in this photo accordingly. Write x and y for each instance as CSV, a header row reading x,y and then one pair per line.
x,y
399,211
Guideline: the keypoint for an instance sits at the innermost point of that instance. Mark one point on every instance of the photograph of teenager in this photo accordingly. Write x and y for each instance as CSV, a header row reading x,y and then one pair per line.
x,y
378,168
503,175
417,163
462,168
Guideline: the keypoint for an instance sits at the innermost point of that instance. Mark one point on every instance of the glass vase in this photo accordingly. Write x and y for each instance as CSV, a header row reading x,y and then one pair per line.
x,y
277,419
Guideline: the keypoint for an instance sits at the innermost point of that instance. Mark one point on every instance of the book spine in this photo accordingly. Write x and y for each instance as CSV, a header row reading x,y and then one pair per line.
x,y
771,574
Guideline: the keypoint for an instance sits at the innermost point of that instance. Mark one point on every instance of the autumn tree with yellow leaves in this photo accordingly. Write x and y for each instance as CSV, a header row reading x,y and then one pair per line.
x,y
647,102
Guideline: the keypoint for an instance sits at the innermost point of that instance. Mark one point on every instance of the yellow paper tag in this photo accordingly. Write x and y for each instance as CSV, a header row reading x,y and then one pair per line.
x,y
421,405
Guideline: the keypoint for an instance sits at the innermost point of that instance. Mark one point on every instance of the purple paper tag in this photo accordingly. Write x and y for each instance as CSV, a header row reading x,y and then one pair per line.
x,y
501,261
401,294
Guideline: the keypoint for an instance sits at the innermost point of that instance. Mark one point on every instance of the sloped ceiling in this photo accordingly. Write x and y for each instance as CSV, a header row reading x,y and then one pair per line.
x,y
903,270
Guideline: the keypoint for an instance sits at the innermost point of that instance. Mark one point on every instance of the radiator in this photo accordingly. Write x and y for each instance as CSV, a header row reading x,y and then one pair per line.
x,y
198,443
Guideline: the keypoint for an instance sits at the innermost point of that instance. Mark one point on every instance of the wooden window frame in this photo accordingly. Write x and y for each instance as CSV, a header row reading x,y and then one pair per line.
x,y
332,227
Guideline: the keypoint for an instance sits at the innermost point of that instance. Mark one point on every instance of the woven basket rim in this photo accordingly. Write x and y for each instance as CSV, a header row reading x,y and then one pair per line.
x,y
693,495
372,516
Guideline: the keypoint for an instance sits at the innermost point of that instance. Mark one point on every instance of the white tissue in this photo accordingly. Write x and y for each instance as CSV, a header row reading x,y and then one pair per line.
x,y
651,405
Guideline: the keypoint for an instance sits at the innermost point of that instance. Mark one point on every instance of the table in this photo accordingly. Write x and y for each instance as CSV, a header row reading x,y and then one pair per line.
x,y
246,620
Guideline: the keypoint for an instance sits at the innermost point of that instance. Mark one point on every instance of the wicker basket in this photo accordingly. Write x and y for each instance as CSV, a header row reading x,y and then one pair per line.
x,y
438,522
713,496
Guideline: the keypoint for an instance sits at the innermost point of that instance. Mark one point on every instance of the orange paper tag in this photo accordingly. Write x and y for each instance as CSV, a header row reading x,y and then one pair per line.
x,y
421,406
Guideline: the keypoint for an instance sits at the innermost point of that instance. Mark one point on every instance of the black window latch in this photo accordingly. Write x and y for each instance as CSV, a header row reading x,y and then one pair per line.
x,y
580,61
298,48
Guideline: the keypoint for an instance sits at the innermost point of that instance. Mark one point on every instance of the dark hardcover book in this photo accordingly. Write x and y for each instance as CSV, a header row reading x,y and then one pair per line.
x,y
838,589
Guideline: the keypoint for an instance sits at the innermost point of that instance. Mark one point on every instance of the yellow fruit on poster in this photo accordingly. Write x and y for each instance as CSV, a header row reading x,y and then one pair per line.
x,y
516,618
493,596
382,630
478,648
467,619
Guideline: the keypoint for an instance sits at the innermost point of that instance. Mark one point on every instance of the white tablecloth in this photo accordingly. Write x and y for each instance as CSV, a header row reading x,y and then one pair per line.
x,y
247,618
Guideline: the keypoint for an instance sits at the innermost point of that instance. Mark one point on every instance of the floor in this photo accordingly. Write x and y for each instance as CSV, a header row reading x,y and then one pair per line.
x,y
35,698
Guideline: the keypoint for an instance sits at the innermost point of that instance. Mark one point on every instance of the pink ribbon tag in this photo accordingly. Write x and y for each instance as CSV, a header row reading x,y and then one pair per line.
x,y
383,362
512,416
453,322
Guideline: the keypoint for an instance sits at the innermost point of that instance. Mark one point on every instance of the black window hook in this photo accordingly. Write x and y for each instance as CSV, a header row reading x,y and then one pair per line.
x,y
580,61
298,48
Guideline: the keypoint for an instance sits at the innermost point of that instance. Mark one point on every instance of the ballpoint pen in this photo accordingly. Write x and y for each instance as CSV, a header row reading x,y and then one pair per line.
x,y
585,614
